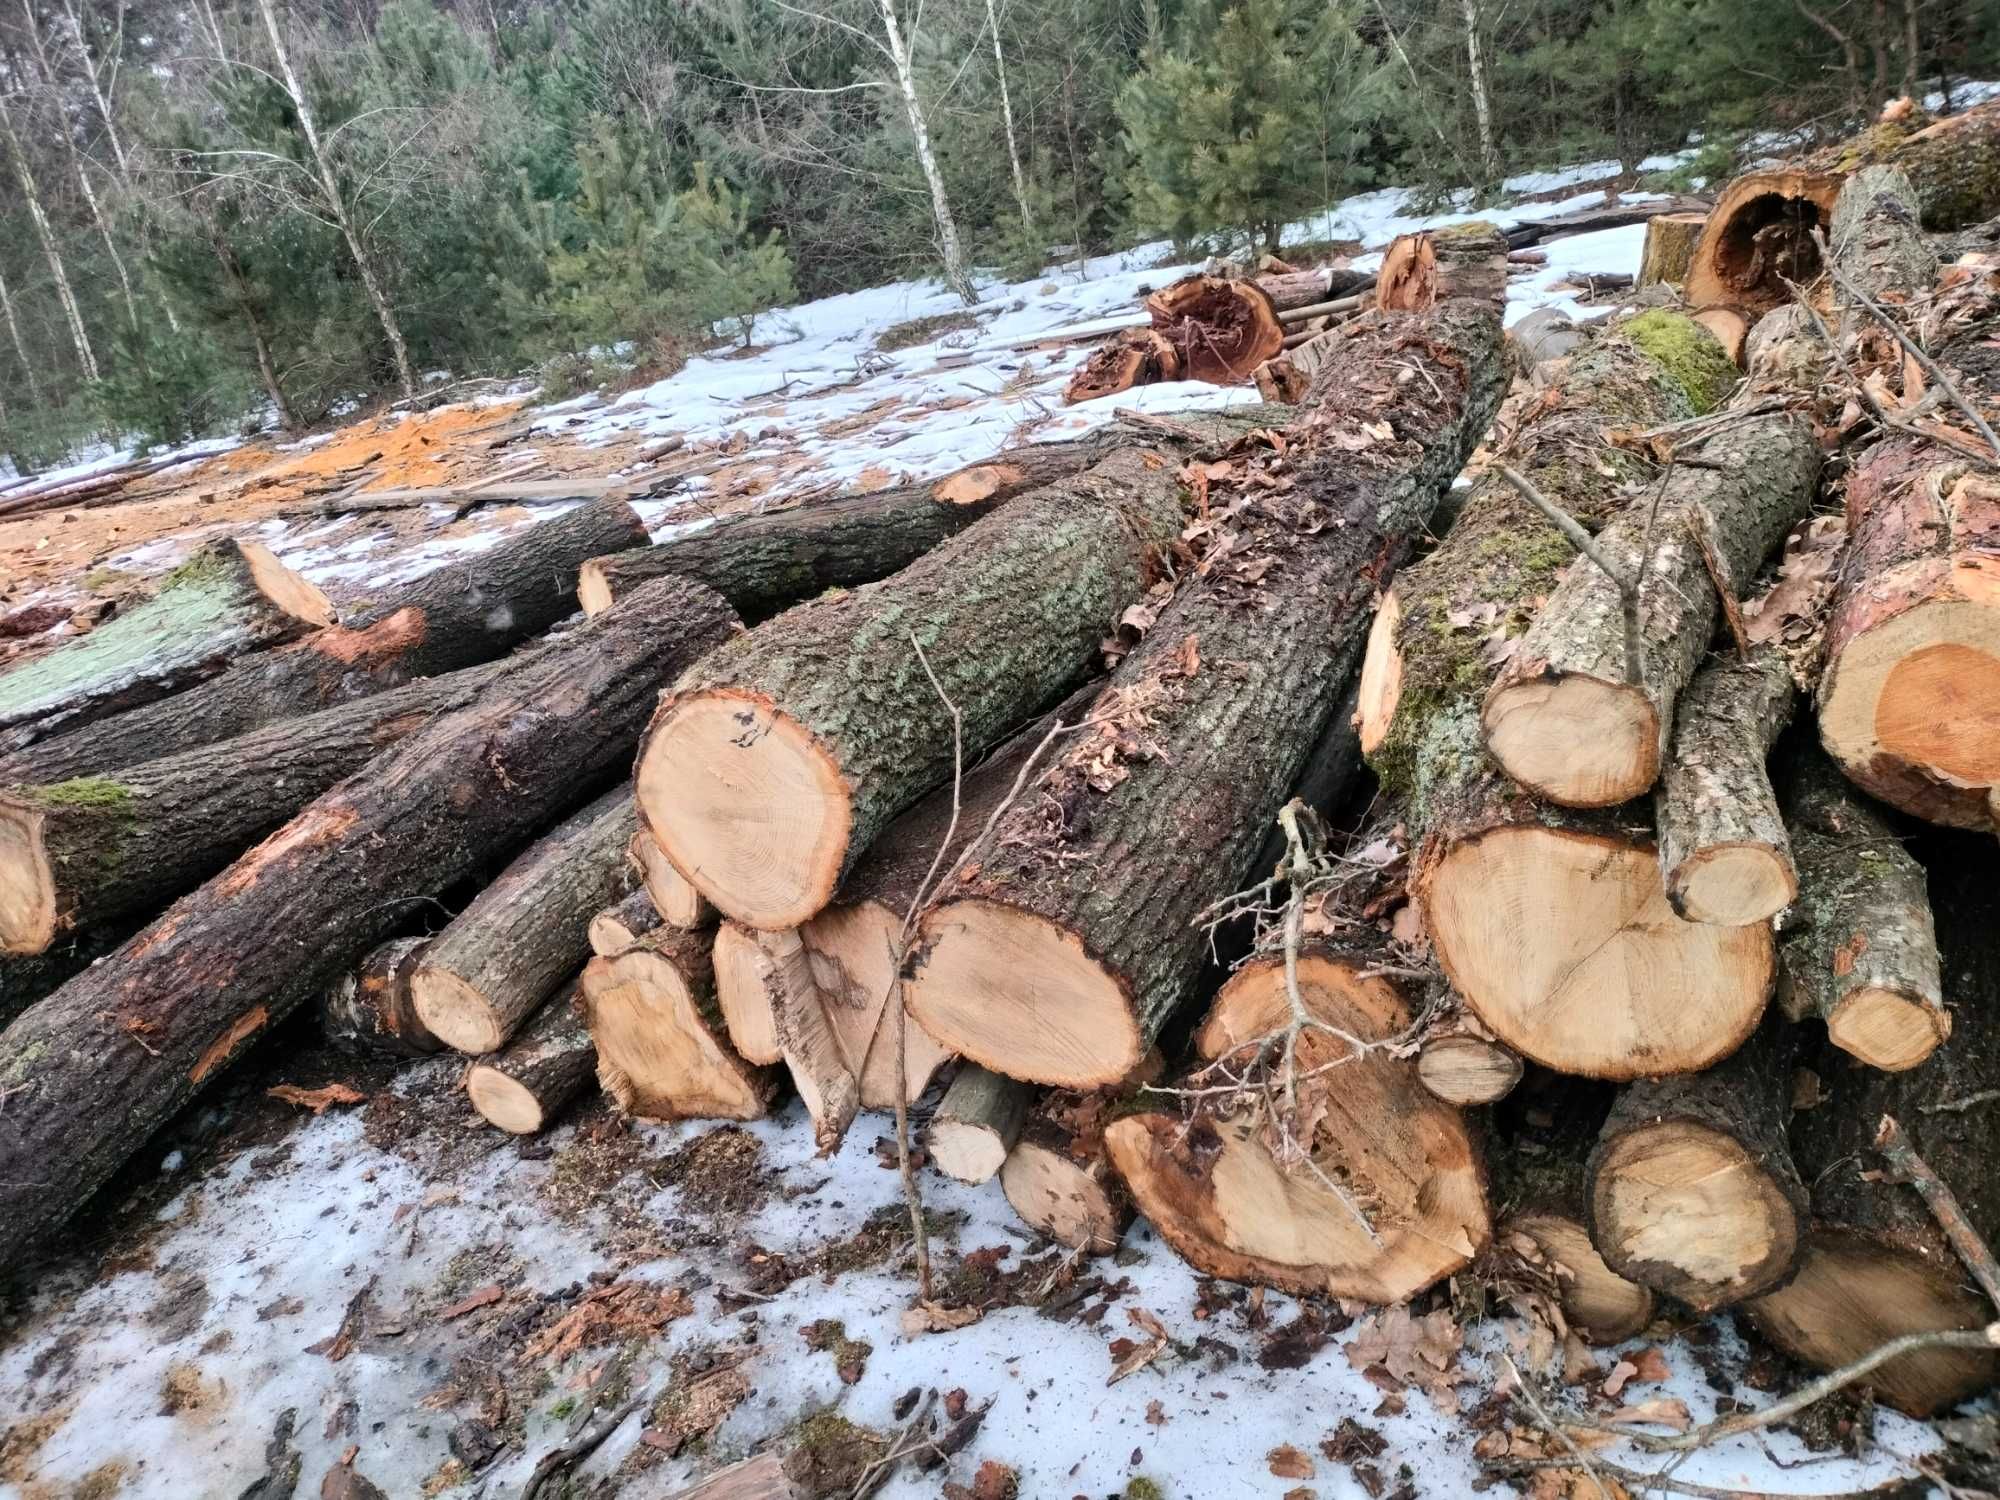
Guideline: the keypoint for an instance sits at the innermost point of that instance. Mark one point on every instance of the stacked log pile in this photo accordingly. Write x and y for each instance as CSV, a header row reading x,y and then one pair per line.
x,y
1607,991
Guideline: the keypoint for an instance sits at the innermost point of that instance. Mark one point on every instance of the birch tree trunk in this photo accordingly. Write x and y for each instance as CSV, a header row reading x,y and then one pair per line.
x,y
948,242
20,349
384,313
1482,105
72,314
1007,118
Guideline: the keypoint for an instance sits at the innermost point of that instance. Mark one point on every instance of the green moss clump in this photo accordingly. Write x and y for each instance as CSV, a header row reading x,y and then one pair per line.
x,y
831,1454
1142,1488
1686,351
92,793
205,566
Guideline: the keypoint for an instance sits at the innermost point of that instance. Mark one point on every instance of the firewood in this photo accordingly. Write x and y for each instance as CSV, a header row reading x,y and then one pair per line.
x,y
851,948
1953,165
1059,1176
742,976
368,1008
1860,946
768,562
1060,950
1461,1068
82,853
1669,249
1691,1188
820,1068
462,614
673,895
1876,1264
1408,279
769,770
496,962
1758,237
620,928
525,1086
1731,328
977,1124
95,1067
1220,330
661,1050
229,598
1213,1180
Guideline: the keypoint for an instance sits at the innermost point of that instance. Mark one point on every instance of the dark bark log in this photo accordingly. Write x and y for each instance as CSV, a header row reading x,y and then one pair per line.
x,y
1061,950
977,1124
79,854
459,615
368,1008
1691,1189
1953,165
106,1059
26,979
499,959
1860,947
228,599
769,771
620,928
524,1087
1876,1265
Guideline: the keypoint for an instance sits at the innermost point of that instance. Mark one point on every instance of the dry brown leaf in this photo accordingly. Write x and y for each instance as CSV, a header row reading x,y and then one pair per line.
x,y
1662,1411
317,1100
1651,1365
1288,1462
928,1317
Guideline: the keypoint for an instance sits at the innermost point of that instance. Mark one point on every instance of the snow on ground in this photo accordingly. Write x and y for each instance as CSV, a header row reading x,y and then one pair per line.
x,y
176,1362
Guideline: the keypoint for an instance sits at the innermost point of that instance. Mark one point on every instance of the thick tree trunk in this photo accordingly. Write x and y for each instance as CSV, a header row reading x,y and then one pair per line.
x,y
499,959
1220,330
1860,947
76,855
977,1124
368,1008
768,562
1691,1189
228,599
661,1050
1953,166
1669,249
1563,717
1875,240
1876,1266
524,1087
457,616
1758,237
1538,1158
1059,1177
1209,1171
625,926
768,771
1063,947
102,1062
676,901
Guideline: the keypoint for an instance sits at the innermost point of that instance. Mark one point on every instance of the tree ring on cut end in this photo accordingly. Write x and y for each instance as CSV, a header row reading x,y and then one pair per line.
x,y
1733,885
27,884
747,805
1887,1029
1577,740
454,1012
503,1102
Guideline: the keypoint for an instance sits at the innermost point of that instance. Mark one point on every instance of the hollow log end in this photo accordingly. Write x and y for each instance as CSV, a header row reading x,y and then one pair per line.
x,y
1577,740
27,880
745,803
1759,236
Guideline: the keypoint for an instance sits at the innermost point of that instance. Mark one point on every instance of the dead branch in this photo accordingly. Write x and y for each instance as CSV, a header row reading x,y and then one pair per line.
x,y
1938,1197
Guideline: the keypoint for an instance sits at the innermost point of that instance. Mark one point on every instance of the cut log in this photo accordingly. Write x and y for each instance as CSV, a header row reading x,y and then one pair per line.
x,y
1875,240
26,979
368,1008
1538,1171
1669,249
1730,327
1133,357
1545,335
82,853
769,771
1876,1266
621,928
1059,1177
768,562
229,598
852,946
820,1069
1758,237
1564,717
521,587
1219,330
673,896
524,1087
1953,164
1408,280
1289,290
1464,1069
236,956
1860,947
496,962
1691,1189
977,1124
1066,942
1210,1178
742,973
661,1050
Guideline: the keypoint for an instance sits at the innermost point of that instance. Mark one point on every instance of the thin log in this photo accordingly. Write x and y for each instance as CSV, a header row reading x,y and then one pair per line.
x,y
674,897
523,1087
95,1067
620,928
368,1008
228,599
977,1124
1059,1177
1461,1068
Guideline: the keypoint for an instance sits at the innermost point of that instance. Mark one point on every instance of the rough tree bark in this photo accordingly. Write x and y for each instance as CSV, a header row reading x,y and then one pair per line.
x,y
950,251
368,1007
76,855
524,1087
103,1061
86,356
456,616
1876,1265
977,1124
496,962
1691,1188
1669,249
229,598
1066,942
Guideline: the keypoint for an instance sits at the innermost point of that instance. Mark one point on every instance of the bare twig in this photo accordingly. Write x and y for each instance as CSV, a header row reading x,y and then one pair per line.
x,y
573,1453
1640,1481
1584,542
1553,1427
1938,1197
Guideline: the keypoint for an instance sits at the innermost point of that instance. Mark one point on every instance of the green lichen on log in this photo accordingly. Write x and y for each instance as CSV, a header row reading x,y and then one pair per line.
x,y
1688,352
